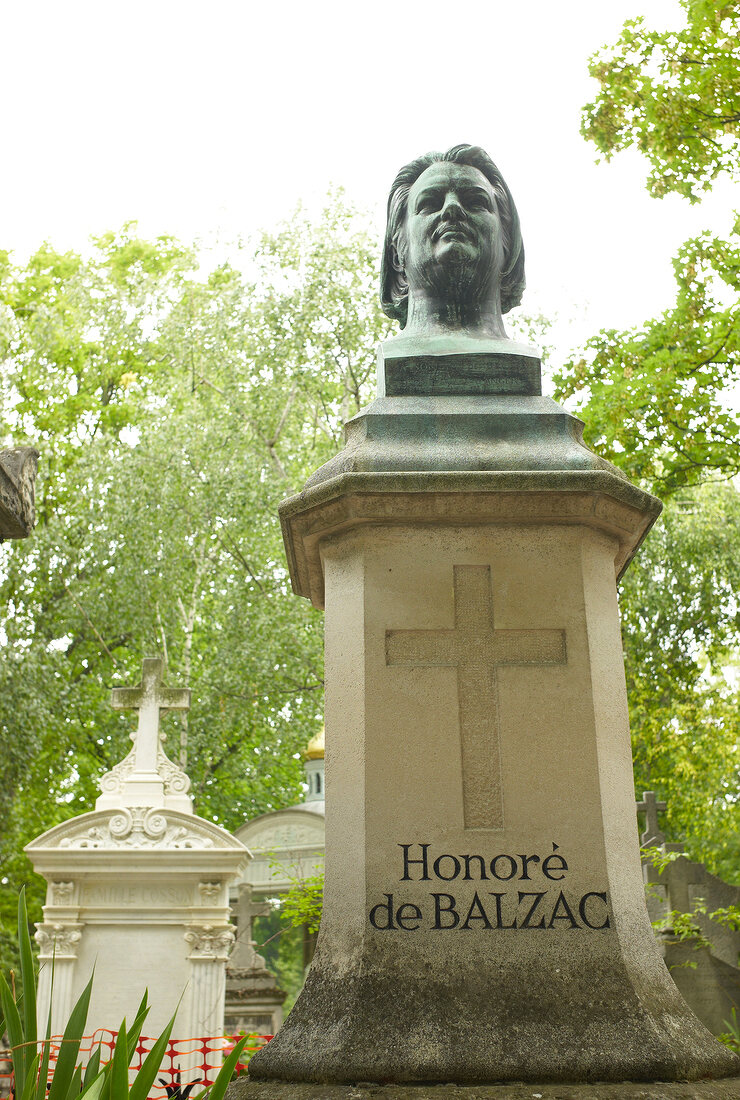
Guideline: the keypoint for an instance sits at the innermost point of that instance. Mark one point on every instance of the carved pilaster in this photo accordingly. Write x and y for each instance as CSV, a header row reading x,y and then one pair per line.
x,y
210,942
58,940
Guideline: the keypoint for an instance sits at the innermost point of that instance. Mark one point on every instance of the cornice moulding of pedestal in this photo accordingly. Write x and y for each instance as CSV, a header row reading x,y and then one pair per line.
x,y
596,498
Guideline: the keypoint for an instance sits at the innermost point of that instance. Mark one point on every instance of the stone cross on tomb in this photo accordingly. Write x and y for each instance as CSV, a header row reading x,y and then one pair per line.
x,y
652,837
477,651
146,777
244,956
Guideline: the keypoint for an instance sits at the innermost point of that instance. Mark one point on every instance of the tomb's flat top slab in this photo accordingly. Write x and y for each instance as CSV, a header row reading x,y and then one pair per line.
x,y
728,1089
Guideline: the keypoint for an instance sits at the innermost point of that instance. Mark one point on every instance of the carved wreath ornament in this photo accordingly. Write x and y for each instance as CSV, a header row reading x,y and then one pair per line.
x,y
138,828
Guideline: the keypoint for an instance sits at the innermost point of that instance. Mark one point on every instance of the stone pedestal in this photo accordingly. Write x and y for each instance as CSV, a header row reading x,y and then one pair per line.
x,y
728,1089
138,890
484,912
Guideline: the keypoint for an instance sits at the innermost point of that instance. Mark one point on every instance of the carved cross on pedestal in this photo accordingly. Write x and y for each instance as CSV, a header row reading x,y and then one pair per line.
x,y
477,650
652,837
244,956
150,698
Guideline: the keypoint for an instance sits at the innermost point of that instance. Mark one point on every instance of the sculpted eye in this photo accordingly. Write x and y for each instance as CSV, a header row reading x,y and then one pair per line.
x,y
427,203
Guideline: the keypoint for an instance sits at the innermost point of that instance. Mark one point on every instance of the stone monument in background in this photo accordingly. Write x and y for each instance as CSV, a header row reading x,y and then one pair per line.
x,y
254,1000
285,845
704,967
484,913
139,890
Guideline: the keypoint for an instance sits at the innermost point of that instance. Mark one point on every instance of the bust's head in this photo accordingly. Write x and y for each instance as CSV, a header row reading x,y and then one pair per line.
x,y
453,257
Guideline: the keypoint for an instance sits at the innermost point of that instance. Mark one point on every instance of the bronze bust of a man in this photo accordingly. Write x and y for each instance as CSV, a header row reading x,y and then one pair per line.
x,y
453,259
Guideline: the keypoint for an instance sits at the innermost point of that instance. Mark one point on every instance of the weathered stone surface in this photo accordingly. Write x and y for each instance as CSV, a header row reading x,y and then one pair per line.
x,y
708,984
707,977
511,690
681,886
253,998
729,1089
484,916
460,500
18,467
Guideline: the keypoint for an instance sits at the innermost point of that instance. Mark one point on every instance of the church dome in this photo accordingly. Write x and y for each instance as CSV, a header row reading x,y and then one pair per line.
x,y
315,747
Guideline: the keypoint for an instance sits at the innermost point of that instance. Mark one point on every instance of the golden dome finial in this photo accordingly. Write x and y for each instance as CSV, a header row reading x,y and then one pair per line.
x,y
315,747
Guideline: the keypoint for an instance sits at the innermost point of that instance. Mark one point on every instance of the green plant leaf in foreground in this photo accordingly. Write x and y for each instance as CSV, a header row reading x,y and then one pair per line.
x,y
92,1069
28,974
219,1086
43,1077
75,1084
15,1033
118,1073
30,1085
150,1068
134,1031
64,1071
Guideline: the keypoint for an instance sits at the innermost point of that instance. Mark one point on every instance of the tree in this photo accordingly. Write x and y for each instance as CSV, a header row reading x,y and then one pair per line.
x,y
173,412
673,94
654,400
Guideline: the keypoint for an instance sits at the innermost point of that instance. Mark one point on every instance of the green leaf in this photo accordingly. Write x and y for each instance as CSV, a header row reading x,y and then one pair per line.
x,y
150,1067
15,1033
92,1068
75,1084
135,1031
119,1066
46,1055
223,1078
94,1089
64,1073
28,971
30,1086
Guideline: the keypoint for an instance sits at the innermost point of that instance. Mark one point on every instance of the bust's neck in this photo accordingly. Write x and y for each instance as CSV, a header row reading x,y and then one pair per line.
x,y
430,315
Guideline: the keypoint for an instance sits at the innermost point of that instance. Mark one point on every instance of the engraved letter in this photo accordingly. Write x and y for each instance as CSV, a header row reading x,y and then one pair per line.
x,y
533,908
582,911
449,908
407,862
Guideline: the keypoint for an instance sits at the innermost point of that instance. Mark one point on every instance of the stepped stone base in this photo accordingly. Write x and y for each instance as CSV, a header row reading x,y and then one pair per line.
x,y
727,1089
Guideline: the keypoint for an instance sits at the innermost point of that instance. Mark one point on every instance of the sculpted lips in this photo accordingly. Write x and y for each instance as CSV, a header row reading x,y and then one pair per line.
x,y
447,230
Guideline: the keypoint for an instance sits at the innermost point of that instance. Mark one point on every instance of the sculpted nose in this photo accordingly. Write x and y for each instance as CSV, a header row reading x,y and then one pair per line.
x,y
452,209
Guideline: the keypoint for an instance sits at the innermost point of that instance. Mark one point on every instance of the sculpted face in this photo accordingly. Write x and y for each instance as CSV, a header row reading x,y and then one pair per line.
x,y
452,234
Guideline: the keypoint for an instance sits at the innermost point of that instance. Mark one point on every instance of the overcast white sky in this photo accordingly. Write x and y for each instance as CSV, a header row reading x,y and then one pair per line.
x,y
202,117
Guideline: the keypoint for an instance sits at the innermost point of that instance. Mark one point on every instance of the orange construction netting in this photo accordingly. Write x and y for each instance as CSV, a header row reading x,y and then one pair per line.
x,y
186,1061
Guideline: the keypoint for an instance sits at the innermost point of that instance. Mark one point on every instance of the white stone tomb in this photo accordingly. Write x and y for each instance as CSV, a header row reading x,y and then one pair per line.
x,y
138,889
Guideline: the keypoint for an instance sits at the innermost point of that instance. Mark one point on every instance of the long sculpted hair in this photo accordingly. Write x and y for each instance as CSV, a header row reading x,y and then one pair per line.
x,y
394,290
